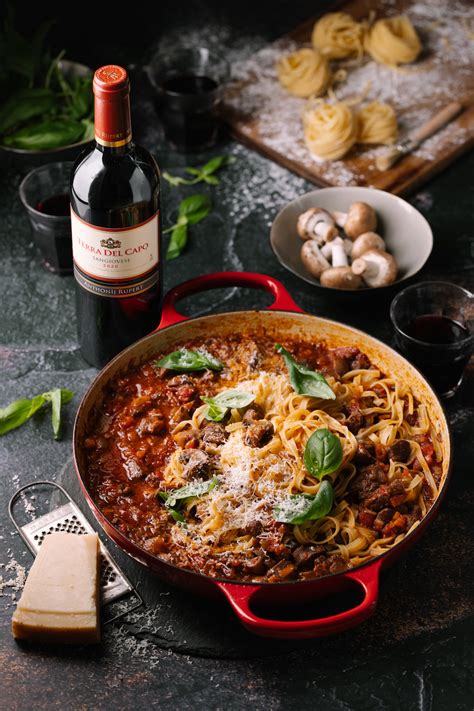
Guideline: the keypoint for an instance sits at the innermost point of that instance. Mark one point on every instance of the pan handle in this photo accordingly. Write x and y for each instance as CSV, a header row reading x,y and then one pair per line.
x,y
283,300
240,597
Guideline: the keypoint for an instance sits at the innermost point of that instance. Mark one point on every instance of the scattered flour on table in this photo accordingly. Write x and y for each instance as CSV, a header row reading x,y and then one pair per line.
x,y
12,579
412,90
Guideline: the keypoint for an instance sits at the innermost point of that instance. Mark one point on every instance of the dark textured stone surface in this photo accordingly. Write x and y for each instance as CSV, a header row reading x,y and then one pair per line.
x,y
416,652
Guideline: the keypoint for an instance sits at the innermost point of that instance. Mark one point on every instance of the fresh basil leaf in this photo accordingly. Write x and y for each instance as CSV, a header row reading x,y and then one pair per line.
x,y
18,412
211,180
56,411
186,360
323,453
233,398
178,241
305,381
214,412
190,491
45,135
193,171
195,217
218,405
25,105
178,517
14,415
301,508
203,174
175,180
216,163
192,204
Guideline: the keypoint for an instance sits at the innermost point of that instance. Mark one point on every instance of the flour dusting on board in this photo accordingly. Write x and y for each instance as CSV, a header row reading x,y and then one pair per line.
x,y
261,107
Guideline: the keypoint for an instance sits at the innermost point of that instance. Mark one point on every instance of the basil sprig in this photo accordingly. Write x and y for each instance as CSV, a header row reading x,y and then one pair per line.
x,y
18,412
204,174
303,380
173,499
191,210
301,507
185,361
221,403
323,453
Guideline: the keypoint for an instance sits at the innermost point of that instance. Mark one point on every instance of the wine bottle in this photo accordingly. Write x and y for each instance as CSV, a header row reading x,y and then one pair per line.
x,y
115,220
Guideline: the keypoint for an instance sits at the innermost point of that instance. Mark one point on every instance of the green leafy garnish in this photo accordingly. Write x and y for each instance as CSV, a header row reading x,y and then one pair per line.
x,y
42,108
18,412
303,380
301,507
203,174
186,360
323,453
191,210
218,406
175,498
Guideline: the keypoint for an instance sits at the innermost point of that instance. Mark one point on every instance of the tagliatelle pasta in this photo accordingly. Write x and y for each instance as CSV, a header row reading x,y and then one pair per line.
x,y
377,123
304,73
330,130
392,41
337,35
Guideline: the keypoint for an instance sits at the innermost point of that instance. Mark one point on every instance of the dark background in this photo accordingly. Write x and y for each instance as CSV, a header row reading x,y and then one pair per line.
x,y
416,652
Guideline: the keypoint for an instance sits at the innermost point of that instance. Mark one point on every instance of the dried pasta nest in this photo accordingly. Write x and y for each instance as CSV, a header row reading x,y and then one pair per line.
x,y
330,130
337,35
304,73
392,41
377,123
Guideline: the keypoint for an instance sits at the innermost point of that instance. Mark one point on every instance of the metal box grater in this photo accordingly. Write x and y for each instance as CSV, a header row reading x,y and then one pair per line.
x,y
69,518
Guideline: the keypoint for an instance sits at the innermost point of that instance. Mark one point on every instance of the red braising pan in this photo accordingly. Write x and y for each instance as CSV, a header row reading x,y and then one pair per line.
x,y
282,318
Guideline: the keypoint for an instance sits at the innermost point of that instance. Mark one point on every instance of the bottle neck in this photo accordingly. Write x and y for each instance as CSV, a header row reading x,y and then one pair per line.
x,y
112,123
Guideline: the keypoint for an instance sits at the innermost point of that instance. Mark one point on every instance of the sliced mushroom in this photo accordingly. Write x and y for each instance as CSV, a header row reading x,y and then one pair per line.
x,y
366,241
312,259
340,278
360,218
316,224
377,268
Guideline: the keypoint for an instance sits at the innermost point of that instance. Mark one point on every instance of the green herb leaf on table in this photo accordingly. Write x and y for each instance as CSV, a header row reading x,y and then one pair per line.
x,y
303,380
301,507
186,360
191,210
221,403
18,412
323,453
203,174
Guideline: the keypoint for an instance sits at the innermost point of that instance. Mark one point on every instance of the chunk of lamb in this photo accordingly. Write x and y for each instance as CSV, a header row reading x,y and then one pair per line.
x,y
400,450
214,434
153,424
367,480
196,463
304,556
259,434
252,415
355,419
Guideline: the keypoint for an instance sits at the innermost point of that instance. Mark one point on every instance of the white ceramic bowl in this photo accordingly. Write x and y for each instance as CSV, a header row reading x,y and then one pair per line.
x,y
408,236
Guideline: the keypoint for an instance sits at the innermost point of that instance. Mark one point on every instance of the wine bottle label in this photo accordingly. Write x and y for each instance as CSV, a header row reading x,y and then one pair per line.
x,y
117,263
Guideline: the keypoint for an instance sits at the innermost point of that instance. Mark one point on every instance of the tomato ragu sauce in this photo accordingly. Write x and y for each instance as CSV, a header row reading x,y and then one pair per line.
x,y
233,487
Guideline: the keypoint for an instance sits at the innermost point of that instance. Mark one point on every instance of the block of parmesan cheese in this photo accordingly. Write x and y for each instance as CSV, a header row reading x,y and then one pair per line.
x,y
60,600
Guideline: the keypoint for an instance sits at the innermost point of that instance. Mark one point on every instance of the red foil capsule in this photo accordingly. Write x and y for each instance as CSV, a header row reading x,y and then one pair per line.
x,y
112,106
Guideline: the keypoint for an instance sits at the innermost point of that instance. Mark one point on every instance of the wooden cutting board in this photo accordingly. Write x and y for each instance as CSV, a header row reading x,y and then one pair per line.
x,y
264,116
